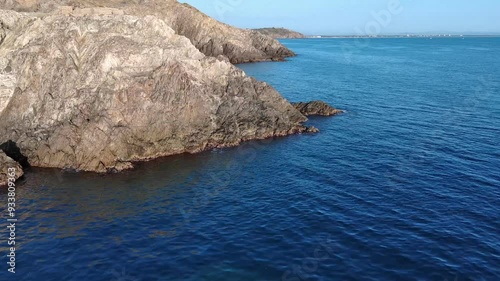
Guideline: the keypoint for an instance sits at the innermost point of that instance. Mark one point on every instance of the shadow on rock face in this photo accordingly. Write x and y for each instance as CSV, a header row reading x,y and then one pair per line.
x,y
10,149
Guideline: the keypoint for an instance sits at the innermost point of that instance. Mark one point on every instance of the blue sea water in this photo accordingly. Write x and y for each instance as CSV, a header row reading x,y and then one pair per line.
x,y
404,186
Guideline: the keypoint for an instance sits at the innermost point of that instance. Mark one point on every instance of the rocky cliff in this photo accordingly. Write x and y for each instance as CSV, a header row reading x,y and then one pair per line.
x,y
280,33
211,37
95,89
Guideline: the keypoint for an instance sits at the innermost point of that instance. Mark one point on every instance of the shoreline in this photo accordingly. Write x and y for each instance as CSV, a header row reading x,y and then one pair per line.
x,y
167,111
397,37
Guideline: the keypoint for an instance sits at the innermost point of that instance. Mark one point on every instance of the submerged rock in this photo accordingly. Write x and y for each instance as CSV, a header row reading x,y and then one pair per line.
x,y
316,108
98,91
6,164
210,36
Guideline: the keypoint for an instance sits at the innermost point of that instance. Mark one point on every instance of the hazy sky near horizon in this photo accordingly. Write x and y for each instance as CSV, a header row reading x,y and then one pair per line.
x,y
358,16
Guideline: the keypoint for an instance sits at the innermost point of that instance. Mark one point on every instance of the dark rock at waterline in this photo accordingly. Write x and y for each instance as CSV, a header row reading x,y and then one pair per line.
x,y
12,151
319,108
312,130
9,167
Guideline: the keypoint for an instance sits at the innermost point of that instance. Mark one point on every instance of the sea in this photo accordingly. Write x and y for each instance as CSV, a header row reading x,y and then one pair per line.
x,y
405,185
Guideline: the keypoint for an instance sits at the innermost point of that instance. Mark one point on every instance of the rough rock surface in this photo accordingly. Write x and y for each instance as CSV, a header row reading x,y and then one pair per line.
x,y
316,108
312,130
7,163
210,36
97,90
280,33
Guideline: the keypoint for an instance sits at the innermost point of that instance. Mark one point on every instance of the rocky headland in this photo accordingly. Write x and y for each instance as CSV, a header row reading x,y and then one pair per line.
x,y
208,35
97,85
280,33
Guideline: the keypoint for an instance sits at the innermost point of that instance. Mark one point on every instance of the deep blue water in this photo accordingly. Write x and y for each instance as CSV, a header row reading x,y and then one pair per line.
x,y
404,186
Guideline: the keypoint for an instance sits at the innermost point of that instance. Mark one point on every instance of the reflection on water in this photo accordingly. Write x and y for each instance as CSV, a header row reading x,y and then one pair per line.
x,y
163,184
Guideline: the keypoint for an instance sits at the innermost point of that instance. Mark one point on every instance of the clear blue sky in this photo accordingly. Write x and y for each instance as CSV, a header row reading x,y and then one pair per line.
x,y
358,16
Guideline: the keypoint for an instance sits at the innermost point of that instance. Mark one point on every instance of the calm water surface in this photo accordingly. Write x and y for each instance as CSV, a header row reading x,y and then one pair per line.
x,y
404,186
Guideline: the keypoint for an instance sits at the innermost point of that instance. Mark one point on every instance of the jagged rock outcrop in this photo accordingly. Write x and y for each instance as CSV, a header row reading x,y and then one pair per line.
x,y
96,90
316,108
7,163
211,37
312,130
280,33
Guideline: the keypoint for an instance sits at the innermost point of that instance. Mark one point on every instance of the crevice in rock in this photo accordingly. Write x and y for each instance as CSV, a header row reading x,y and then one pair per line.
x,y
11,149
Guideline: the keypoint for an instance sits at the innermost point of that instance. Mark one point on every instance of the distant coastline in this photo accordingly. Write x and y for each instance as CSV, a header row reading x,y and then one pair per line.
x,y
280,33
402,36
